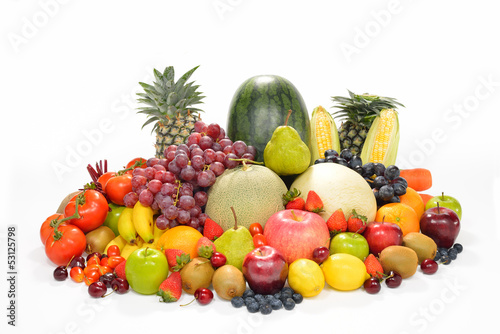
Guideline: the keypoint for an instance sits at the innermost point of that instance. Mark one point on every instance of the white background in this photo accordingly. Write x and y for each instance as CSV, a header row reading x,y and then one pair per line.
x,y
69,74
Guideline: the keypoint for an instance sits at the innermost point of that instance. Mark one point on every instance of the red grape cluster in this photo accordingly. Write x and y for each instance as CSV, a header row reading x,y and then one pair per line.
x,y
177,184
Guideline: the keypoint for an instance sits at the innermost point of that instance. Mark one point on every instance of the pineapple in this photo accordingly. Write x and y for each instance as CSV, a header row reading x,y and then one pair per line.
x,y
168,104
358,113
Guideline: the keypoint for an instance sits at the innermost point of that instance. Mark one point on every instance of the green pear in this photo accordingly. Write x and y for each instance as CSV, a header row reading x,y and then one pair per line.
x,y
235,243
286,153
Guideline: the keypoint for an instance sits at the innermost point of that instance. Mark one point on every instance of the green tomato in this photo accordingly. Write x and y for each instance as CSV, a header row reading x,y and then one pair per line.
x,y
112,217
446,202
146,269
350,243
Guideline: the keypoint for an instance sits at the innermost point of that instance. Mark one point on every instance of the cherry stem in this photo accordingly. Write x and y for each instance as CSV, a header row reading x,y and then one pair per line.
x,y
189,302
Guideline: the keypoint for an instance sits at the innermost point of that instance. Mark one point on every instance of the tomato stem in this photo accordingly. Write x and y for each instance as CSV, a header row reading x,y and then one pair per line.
x,y
80,200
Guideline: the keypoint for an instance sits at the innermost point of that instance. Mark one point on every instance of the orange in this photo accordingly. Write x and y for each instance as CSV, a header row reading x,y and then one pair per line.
x,y
413,199
401,214
180,237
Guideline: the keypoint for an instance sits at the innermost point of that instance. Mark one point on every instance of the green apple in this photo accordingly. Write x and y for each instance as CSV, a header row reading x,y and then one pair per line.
x,y
350,243
146,269
447,202
112,217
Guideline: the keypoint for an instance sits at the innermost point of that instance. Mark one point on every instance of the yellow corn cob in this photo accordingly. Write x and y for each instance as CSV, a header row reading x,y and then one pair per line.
x,y
324,135
382,141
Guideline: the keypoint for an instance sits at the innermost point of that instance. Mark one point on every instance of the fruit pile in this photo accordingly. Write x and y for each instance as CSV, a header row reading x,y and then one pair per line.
x,y
263,216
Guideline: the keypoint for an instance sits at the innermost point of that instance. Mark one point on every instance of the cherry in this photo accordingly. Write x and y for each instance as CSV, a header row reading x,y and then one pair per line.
x,y
97,289
372,285
320,254
107,278
60,273
218,259
203,295
77,261
393,280
429,266
91,255
120,285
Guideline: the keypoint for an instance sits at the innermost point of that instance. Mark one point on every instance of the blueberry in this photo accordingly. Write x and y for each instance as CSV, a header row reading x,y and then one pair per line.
x,y
248,293
265,309
458,247
237,302
437,257
269,298
445,259
260,299
276,304
249,300
297,298
452,253
289,304
253,307
443,251
277,295
287,289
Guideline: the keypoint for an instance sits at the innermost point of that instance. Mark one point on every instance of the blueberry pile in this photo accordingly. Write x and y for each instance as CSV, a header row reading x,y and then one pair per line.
x,y
446,256
265,304
386,183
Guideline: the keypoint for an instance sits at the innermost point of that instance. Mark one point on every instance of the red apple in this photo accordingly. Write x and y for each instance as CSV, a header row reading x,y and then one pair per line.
x,y
440,224
265,269
382,234
296,233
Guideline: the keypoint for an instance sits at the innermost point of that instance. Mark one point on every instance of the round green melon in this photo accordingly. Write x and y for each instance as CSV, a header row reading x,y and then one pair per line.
x,y
260,105
255,192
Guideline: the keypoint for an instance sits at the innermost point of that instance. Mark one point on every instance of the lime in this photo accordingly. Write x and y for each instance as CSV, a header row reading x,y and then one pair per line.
x,y
306,277
344,271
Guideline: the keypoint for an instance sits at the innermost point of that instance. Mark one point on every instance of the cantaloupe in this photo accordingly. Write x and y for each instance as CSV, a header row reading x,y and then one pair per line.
x,y
255,192
338,187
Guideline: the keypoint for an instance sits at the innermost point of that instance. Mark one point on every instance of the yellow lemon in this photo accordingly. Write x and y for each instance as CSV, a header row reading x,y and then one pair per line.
x,y
344,271
306,277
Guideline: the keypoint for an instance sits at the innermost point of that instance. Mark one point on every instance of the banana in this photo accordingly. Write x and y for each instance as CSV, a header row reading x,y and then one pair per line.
x,y
119,241
142,216
157,233
126,226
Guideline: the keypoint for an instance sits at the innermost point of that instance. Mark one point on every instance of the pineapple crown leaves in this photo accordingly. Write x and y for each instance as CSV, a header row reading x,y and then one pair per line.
x,y
166,98
362,109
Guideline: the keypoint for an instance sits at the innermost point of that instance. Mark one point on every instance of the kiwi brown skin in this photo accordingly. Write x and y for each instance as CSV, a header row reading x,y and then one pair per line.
x,y
423,245
228,282
196,274
98,239
400,259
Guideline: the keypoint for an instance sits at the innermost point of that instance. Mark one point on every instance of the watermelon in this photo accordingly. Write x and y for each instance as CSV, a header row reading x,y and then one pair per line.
x,y
260,105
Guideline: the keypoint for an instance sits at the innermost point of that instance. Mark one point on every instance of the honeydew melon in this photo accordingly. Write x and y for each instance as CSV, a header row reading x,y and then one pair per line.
x,y
338,187
255,192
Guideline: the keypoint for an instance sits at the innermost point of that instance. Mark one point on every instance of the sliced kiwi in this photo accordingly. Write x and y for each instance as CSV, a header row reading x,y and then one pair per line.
x,y
423,245
196,274
98,239
228,282
400,259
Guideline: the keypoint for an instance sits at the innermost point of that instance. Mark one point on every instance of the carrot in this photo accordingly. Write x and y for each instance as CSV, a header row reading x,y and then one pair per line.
x,y
419,179
425,197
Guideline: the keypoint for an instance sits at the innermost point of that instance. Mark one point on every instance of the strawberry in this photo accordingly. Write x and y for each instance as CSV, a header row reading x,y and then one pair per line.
x,y
290,196
176,259
356,223
373,267
296,204
211,229
313,202
120,270
205,247
170,289
337,222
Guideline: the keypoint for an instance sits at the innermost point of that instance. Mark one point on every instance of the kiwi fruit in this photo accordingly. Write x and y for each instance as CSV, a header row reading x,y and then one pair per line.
x,y
400,259
196,274
423,245
228,282
98,239
65,201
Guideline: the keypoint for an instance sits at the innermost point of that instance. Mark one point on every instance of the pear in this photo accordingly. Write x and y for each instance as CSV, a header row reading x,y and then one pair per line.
x,y
286,153
235,243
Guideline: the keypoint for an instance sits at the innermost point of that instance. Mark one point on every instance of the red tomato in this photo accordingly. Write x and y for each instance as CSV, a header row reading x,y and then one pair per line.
x,y
113,261
259,240
70,244
113,250
255,228
92,211
104,178
132,162
117,187
46,229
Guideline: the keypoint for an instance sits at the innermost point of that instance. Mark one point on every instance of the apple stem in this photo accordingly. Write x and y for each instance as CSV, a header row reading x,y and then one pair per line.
x,y
442,195
288,116
383,218
235,220
294,216
437,206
